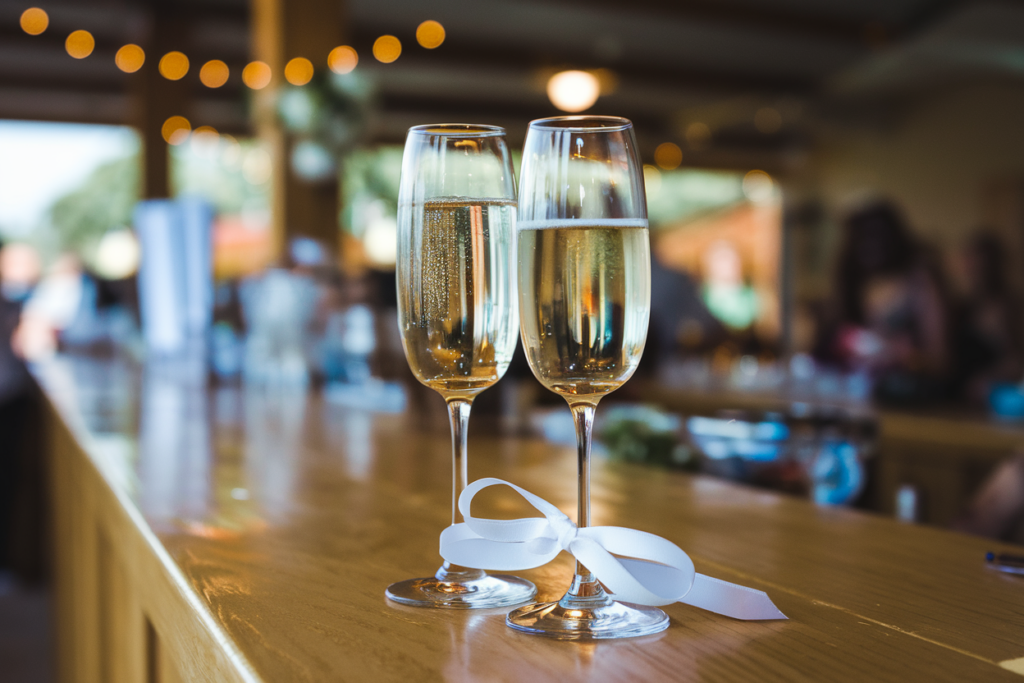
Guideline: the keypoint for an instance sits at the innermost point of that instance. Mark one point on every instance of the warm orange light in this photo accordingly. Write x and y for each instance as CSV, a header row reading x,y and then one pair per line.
x,y
256,75
176,130
214,73
130,58
34,21
668,155
573,91
387,49
298,71
174,66
80,44
430,34
205,130
342,59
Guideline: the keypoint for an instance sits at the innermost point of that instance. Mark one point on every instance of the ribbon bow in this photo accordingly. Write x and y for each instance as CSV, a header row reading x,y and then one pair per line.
x,y
656,572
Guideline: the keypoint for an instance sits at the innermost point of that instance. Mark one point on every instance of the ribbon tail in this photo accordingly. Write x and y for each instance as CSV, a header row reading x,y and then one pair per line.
x,y
730,599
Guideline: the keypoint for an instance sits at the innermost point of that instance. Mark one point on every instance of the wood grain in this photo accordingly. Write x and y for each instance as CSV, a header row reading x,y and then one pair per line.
x,y
257,531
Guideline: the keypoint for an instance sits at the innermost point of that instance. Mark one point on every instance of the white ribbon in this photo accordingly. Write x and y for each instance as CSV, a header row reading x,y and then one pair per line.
x,y
656,572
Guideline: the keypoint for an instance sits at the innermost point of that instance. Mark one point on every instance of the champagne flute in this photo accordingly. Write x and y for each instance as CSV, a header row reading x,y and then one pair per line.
x,y
584,294
457,308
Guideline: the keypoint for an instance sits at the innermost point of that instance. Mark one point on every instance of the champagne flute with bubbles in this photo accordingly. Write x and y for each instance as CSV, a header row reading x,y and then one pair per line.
x,y
584,296
457,308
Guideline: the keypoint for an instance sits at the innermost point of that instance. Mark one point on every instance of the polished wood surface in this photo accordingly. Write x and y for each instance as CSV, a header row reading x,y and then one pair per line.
x,y
245,535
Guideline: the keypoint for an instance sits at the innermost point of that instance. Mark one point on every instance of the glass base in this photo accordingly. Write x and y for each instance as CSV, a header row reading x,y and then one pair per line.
x,y
457,588
587,618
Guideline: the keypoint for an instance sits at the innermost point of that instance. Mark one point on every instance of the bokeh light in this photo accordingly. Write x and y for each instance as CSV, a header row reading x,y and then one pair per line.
x,y
430,34
80,44
176,130
387,49
768,120
34,21
698,135
668,155
174,66
130,58
117,255
257,166
256,75
758,186
342,59
652,180
214,73
298,71
573,91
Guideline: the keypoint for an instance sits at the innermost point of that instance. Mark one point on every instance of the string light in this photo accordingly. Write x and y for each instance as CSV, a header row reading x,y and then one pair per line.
x,y
174,66
298,71
342,59
387,49
80,44
430,34
176,130
130,58
34,21
256,75
214,73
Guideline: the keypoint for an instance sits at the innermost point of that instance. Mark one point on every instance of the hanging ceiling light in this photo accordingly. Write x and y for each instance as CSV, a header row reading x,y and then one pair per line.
x,y
573,91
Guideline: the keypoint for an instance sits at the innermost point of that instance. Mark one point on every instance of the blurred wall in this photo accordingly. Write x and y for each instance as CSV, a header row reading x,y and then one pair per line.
x,y
953,161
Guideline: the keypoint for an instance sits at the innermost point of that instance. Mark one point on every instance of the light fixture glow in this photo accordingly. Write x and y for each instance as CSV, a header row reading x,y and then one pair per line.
x,y
387,49
298,71
176,130
80,44
430,34
573,91
34,21
130,58
342,59
174,66
668,156
214,73
256,75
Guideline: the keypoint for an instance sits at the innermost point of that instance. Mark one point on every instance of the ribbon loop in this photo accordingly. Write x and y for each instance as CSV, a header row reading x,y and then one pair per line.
x,y
651,570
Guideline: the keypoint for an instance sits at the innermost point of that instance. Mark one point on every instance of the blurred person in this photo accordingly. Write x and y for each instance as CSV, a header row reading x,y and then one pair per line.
x,y
892,315
51,309
680,321
17,266
997,509
988,334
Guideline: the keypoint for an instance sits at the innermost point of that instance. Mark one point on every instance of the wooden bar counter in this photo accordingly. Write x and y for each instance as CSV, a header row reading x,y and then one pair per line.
x,y
228,534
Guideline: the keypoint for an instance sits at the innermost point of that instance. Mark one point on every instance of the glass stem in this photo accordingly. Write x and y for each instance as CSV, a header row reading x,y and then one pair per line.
x,y
585,588
458,417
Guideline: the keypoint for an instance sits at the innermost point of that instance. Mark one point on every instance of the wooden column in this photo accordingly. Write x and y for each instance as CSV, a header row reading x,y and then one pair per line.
x,y
281,31
155,98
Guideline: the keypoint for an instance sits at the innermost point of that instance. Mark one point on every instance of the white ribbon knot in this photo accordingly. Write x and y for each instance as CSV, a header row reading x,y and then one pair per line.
x,y
650,570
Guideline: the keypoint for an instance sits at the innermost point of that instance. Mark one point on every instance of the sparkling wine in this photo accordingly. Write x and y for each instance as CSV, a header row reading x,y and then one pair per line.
x,y
585,301
457,307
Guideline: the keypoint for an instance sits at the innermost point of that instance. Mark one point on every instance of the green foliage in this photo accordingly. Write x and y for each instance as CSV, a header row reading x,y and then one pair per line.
x,y
104,201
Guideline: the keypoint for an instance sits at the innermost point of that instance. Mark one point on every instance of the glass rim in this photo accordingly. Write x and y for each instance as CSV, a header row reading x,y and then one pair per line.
x,y
458,130
583,124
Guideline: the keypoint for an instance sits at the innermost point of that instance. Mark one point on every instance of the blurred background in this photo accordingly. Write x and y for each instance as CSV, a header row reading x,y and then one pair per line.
x,y
835,189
